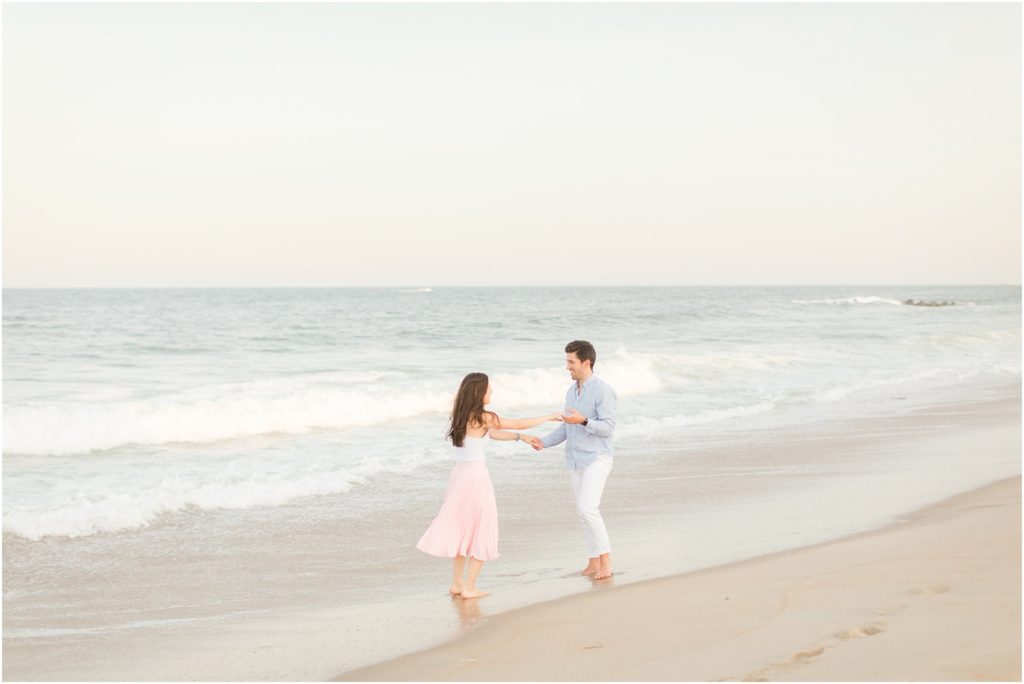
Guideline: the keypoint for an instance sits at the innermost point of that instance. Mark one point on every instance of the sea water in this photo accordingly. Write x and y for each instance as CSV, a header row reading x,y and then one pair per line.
x,y
183,455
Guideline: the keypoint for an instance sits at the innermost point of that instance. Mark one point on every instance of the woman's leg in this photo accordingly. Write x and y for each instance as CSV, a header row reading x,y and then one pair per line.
x,y
458,565
470,591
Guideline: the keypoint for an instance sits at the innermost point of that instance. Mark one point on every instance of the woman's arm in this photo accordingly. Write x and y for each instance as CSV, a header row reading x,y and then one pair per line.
x,y
495,423
524,423
504,435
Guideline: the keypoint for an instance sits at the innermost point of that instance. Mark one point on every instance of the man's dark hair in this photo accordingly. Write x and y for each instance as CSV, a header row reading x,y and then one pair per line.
x,y
583,350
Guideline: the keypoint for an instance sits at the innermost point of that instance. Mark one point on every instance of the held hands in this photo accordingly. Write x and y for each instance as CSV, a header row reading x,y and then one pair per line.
x,y
574,417
532,441
556,417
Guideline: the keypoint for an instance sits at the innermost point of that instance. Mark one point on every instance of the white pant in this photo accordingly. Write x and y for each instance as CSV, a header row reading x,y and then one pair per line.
x,y
588,485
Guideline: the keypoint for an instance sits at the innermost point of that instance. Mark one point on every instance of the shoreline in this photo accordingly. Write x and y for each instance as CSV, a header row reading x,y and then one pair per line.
x,y
908,604
302,643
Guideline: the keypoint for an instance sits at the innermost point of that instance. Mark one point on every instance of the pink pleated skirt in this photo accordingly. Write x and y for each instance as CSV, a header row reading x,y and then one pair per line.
x,y
467,524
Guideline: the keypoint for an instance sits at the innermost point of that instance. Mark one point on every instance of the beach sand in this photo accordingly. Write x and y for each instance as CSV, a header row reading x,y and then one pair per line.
x,y
935,596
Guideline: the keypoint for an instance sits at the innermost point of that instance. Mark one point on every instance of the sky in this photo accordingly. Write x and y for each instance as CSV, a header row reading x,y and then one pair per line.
x,y
312,145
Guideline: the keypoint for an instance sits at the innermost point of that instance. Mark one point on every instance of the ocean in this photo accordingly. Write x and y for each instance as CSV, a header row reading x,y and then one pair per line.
x,y
180,457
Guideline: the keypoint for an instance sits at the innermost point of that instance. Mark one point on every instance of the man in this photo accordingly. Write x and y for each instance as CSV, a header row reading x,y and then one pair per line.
x,y
589,422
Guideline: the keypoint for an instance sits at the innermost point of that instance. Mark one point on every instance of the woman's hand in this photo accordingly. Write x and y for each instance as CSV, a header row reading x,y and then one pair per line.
x,y
533,441
555,417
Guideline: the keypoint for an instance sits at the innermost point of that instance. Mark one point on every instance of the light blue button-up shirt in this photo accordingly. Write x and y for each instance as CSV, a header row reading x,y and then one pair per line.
x,y
584,443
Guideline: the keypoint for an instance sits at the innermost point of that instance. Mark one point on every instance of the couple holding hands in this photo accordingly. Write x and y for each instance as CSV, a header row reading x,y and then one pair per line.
x,y
466,527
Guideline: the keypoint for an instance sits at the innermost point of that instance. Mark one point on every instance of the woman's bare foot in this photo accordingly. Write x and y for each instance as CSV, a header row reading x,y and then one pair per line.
x,y
605,572
591,569
474,593
455,590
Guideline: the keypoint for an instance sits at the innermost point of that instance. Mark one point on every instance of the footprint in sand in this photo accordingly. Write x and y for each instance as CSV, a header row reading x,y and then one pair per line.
x,y
930,589
801,657
860,632
763,675
804,655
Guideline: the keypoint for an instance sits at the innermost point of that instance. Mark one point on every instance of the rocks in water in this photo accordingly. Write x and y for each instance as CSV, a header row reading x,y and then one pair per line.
x,y
926,302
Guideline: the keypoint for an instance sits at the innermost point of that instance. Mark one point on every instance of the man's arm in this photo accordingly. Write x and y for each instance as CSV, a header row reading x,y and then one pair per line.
x,y
556,436
603,424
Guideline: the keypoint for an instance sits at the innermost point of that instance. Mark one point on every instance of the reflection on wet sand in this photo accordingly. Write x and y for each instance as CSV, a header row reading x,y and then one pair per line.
x,y
469,612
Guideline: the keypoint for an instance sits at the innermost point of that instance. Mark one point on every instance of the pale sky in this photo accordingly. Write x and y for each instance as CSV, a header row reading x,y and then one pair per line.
x,y
198,145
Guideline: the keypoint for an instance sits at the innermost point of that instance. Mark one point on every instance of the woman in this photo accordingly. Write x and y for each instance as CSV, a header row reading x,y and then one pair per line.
x,y
467,524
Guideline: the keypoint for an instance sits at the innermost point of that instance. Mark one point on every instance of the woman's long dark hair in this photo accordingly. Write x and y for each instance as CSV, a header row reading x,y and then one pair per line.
x,y
468,407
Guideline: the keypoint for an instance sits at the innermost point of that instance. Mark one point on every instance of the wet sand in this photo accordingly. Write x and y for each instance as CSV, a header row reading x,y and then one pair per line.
x,y
935,596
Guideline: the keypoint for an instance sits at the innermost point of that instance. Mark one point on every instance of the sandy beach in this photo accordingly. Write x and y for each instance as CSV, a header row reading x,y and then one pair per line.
x,y
935,596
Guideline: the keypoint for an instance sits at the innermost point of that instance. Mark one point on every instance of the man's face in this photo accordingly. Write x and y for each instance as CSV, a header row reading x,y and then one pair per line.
x,y
575,366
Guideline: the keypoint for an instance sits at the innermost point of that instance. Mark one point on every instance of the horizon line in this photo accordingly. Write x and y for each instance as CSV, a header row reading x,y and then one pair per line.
x,y
452,287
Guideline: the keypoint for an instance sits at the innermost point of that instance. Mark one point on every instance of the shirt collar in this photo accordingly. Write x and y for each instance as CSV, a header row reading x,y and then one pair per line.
x,y
587,382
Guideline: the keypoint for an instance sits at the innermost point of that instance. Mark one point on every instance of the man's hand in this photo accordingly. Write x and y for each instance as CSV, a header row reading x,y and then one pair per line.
x,y
575,417
533,441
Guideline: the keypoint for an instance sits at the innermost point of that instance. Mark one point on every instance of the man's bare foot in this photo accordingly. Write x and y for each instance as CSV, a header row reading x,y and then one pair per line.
x,y
455,590
474,593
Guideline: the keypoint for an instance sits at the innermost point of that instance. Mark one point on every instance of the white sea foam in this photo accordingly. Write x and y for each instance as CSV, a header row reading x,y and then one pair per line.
x,y
867,299
731,361
58,632
629,374
283,406
124,501
840,392
851,300
208,415
651,427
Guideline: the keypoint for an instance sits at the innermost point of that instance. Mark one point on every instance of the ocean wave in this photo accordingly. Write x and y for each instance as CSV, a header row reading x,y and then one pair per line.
x,y
62,429
883,300
851,300
629,374
99,506
840,392
284,406
727,361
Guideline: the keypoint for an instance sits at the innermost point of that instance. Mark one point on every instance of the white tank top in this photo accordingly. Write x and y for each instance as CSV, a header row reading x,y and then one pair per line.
x,y
472,449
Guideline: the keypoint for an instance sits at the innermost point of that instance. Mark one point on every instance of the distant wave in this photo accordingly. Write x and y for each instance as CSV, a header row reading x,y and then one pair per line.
x,y
882,300
851,300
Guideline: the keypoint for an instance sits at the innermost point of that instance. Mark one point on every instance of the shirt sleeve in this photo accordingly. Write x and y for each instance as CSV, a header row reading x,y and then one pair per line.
x,y
603,424
556,436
